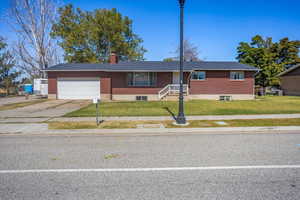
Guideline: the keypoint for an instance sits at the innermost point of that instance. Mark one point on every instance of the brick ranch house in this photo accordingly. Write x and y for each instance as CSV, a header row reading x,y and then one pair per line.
x,y
290,81
150,80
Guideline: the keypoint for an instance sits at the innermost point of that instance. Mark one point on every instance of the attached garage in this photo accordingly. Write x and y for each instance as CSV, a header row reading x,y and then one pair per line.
x,y
78,88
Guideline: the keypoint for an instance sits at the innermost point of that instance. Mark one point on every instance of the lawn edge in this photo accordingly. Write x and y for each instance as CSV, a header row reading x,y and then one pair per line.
x,y
167,124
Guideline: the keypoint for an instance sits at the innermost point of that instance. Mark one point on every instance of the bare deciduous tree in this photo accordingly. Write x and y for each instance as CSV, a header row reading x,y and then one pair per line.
x,y
190,51
32,21
8,73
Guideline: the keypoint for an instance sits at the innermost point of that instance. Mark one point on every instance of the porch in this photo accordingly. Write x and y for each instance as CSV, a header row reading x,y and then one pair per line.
x,y
172,90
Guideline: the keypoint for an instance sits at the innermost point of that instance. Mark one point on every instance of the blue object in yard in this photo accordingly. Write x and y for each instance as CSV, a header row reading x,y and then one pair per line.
x,y
28,88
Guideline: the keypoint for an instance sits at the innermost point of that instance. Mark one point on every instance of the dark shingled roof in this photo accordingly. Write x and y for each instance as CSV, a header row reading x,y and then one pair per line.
x,y
155,66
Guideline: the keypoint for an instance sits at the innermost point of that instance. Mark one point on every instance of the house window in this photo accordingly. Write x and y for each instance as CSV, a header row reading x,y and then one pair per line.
x,y
225,98
198,75
141,78
141,98
237,75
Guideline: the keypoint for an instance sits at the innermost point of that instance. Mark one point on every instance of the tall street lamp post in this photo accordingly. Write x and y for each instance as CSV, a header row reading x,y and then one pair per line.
x,y
180,120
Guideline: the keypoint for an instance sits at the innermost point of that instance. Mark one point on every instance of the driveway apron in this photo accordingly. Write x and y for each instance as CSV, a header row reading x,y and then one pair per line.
x,y
48,109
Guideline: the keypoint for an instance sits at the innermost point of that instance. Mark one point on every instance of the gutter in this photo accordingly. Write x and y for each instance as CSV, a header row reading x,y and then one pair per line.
x,y
289,70
96,70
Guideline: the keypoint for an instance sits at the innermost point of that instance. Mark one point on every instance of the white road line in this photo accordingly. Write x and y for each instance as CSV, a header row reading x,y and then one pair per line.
x,y
150,169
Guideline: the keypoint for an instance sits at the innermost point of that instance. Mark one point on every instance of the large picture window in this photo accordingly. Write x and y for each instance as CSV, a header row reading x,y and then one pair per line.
x,y
198,75
237,75
141,78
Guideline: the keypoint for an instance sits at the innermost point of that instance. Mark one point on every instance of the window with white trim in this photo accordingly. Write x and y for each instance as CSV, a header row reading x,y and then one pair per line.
x,y
200,75
237,75
141,78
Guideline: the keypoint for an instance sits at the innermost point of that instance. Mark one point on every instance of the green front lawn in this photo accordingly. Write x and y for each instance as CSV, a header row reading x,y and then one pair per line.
x,y
265,105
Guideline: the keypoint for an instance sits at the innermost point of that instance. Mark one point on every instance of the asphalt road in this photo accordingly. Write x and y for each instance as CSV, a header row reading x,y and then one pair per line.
x,y
96,167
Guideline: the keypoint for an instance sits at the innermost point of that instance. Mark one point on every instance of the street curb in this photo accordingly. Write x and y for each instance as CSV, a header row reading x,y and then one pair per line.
x,y
179,130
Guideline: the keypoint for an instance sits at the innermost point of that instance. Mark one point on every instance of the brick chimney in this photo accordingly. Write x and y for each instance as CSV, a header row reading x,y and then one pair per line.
x,y
113,59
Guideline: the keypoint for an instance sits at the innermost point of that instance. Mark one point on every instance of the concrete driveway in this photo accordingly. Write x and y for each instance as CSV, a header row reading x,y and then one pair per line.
x,y
42,111
18,99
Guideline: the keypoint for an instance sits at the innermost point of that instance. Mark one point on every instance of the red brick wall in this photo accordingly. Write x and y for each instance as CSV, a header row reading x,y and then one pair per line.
x,y
52,85
106,85
111,83
219,82
120,86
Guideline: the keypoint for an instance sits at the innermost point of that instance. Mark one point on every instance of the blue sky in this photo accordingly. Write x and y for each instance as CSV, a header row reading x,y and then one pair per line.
x,y
215,26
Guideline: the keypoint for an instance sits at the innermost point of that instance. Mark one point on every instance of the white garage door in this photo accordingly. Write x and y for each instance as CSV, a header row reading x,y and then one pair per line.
x,y
78,88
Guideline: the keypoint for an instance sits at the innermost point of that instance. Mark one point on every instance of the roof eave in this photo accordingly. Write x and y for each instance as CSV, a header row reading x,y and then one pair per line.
x,y
74,70
289,70
97,70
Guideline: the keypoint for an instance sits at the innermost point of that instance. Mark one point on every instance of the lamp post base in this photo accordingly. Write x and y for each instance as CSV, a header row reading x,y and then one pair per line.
x,y
185,124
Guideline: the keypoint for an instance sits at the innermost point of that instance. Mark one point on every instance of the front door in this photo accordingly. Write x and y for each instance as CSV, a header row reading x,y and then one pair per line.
x,y
176,78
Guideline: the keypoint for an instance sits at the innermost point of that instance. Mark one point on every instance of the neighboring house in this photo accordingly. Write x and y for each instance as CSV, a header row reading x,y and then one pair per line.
x,y
151,80
290,81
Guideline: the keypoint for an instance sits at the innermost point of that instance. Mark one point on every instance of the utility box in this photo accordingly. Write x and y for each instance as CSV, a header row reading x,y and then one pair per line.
x,y
40,87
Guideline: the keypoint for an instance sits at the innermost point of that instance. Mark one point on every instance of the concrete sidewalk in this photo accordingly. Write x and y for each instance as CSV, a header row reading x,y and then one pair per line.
x,y
161,118
25,128
150,118
42,129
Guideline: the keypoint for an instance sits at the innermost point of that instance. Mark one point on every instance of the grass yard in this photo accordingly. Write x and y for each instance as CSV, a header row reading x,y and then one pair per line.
x,y
20,104
265,105
169,124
